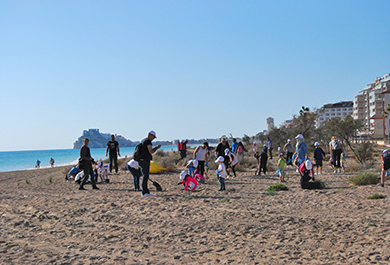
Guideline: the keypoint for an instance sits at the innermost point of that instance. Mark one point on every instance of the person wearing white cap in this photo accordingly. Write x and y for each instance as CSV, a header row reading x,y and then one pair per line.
x,y
289,150
319,155
305,169
221,172
233,160
147,150
135,170
220,151
188,181
301,148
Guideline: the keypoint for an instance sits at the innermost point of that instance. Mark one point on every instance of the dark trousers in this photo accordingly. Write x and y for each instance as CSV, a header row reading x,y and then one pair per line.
x,y
263,166
136,176
88,172
226,162
270,153
221,183
234,171
114,158
201,167
183,153
145,167
336,158
289,157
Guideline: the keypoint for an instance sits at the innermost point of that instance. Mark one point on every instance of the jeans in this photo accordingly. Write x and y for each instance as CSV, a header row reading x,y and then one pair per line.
x,y
201,167
145,167
115,159
221,183
136,176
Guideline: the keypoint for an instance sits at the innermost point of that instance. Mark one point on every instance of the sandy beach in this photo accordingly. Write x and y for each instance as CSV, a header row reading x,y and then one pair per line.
x,y
47,220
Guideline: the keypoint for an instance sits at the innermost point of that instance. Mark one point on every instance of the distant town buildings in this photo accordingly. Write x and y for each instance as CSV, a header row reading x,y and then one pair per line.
x,y
328,111
370,105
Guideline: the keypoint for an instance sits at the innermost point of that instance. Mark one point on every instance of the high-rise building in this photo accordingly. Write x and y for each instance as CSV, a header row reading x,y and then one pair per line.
x,y
328,111
370,105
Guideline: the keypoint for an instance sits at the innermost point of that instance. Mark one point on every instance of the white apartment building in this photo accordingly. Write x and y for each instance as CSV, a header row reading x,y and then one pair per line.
x,y
333,110
370,105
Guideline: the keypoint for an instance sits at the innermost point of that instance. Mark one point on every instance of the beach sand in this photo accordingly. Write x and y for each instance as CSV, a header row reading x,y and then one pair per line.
x,y
46,220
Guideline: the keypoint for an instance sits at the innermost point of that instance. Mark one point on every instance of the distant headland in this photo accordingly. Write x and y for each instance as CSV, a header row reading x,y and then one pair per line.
x,y
99,140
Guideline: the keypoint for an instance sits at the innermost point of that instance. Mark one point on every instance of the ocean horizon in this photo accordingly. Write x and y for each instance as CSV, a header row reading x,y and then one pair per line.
x,y
25,160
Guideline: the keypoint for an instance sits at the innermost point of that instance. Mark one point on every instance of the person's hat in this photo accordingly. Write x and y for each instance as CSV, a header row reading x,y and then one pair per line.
x,y
280,154
186,140
316,144
195,163
153,133
220,159
299,136
99,163
265,145
227,151
183,174
289,140
254,142
308,165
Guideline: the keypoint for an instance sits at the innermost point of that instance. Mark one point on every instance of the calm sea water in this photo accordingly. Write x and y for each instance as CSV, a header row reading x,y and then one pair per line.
x,y
21,160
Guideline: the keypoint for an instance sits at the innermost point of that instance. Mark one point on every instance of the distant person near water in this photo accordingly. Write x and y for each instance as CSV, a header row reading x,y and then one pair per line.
x,y
182,147
38,164
86,161
147,150
113,150
52,162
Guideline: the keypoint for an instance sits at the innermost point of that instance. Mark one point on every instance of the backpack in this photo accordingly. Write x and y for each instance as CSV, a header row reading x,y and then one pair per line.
x,y
239,149
386,154
137,152
336,145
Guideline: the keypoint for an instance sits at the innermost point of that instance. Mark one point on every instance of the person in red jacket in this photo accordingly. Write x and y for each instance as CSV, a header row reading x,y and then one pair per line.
x,y
305,169
188,181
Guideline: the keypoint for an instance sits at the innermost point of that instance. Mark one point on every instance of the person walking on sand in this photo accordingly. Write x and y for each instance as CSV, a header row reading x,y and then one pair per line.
x,y
38,164
301,148
147,150
87,160
135,170
281,167
183,149
385,159
113,150
262,162
234,145
336,150
289,150
319,155
233,160
201,153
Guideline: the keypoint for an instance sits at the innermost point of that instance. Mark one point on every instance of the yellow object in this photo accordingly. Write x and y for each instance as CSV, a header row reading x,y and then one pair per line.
x,y
155,168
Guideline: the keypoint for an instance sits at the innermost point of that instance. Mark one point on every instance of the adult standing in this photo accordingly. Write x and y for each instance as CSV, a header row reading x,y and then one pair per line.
x,y
147,150
220,151
86,161
201,154
336,149
289,150
301,149
52,162
270,147
183,149
113,150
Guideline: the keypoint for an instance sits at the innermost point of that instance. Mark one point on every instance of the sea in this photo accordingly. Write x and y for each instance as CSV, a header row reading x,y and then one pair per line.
x,y
25,160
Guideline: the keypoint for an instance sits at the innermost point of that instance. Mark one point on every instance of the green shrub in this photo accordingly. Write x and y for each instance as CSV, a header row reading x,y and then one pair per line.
x,y
323,184
364,178
272,193
277,187
226,199
376,196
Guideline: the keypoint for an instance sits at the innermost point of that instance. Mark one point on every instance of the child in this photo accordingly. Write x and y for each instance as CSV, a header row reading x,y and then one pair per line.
x,y
331,161
319,155
135,170
233,160
188,181
101,171
192,165
385,157
281,167
199,177
72,174
305,169
342,161
221,172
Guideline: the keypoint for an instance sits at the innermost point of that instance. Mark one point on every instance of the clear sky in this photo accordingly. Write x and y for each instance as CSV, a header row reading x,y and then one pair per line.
x,y
186,69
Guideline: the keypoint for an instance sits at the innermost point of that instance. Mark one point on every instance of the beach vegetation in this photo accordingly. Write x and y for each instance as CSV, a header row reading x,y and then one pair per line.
x,y
364,178
376,196
322,185
277,187
27,180
271,193
226,199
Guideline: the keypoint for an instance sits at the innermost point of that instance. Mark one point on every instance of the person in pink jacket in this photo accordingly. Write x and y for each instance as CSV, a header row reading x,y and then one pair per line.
x,y
305,169
188,181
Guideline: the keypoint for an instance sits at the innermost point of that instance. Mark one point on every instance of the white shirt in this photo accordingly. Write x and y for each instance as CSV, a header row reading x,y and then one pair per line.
x,y
134,164
201,154
222,170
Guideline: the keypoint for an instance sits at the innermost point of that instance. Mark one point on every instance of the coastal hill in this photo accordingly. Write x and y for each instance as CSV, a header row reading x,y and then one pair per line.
x,y
99,140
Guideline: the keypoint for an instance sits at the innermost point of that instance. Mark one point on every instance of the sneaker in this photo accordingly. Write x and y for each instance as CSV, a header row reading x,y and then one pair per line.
x,y
95,188
335,171
320,173
382,184
82,188
147,195
315,174
339,171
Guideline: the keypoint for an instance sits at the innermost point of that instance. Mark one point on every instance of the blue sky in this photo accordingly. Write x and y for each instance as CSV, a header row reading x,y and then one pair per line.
x,y
186,69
